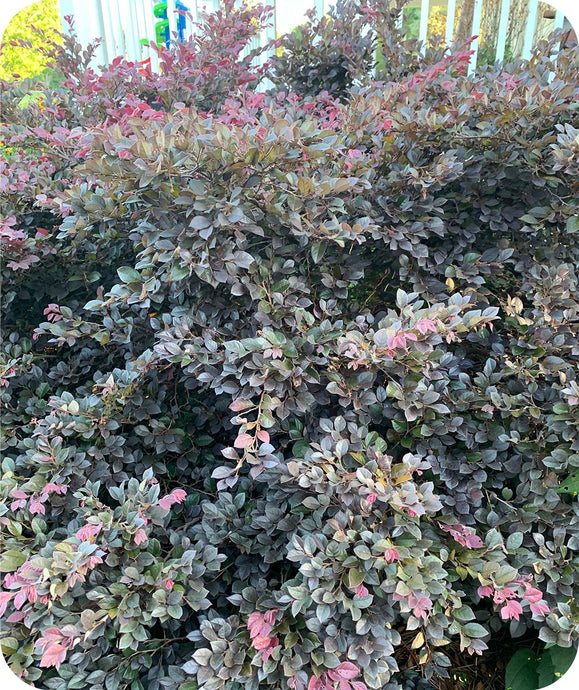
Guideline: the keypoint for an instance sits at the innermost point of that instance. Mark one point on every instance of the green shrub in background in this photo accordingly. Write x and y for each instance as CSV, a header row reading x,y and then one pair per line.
x,y
28,61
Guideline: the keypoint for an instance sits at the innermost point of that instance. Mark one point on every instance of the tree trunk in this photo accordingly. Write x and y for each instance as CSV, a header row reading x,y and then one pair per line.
x,y
464,26
490,23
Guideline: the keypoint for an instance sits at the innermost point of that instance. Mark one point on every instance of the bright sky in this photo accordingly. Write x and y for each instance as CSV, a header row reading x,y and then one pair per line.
x,y
291,13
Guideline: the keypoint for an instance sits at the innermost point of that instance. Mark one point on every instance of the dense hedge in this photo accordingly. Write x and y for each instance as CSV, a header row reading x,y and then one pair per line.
x,y
290,387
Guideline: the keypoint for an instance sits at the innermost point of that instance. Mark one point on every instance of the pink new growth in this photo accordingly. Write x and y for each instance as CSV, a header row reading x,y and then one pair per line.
x,y
419,604
391,555
88,531
399,340
55,644
259,626
342,674
502,595
425,325
512,609
140,536
535,598
361,591
176,496
463,535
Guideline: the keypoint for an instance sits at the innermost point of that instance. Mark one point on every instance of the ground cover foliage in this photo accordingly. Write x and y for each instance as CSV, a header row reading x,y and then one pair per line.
x,y
289,383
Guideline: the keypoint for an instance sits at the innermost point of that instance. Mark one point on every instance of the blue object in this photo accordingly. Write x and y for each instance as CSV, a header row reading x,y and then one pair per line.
x,y
162,31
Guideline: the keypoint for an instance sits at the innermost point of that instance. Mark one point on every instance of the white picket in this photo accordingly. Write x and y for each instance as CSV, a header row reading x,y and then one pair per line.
x,y
530,29
503,28
450,15
423,30
123,23
475,31
172,17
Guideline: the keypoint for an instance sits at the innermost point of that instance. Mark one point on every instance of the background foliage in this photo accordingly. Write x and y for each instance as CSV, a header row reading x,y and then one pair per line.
x,y
27,61
289,383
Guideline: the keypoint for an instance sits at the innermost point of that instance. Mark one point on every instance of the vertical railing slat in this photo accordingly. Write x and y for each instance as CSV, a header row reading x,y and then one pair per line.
x,y
503,28
530,29
109,31
450,14
133,49
423,30
475,31
103,51
149,19
172,17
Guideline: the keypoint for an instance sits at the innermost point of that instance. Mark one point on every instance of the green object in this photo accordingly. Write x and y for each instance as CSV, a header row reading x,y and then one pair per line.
x,y
28,62
160,10
570,485
528,670
160,31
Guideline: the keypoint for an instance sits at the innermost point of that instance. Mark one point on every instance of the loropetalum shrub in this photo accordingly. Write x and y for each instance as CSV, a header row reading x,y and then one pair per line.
x,y
327,53
289,390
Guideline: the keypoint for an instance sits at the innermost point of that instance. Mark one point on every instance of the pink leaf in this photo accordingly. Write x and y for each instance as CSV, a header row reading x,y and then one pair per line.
x,y
347,670
36,507
512,609
140,537
176,496
179,495
485,591
263,436
88,531
54,655
240,404
539,608
166,502
361,591
18,494
243,441
4,599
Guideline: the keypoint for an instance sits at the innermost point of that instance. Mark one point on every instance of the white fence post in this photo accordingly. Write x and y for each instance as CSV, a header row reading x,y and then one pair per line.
x,y
172,17
450,14
530,29
503,27
423,30
475,31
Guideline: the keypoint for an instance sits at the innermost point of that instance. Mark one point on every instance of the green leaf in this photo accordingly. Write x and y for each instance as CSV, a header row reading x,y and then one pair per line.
x,y
11,560
521,672
514,540
561,659
128,274
545,671
355,577
474,630
9,646
363,552
179,272
572,224
569,485
317,251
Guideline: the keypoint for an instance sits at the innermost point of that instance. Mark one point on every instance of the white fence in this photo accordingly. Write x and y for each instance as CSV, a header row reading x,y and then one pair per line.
x,y
123,24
